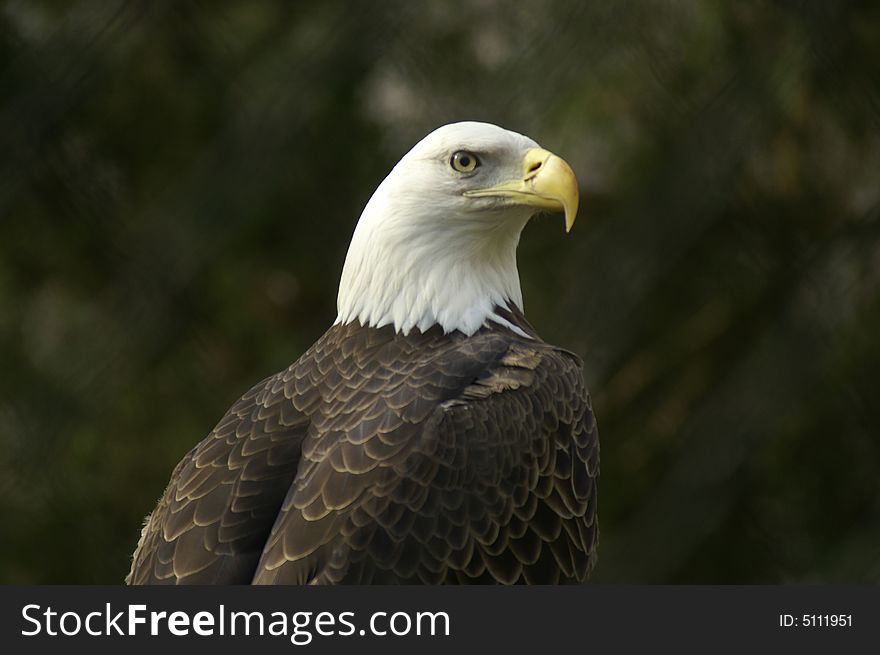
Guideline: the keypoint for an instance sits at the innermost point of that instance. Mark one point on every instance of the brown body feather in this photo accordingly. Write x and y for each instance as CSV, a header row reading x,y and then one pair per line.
x,y
383,458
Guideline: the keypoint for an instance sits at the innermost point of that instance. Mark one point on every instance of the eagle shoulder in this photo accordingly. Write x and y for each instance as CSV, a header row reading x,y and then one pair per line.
x,y
210,524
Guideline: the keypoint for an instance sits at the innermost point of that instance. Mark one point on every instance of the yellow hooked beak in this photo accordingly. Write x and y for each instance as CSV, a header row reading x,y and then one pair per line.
x,y
548,182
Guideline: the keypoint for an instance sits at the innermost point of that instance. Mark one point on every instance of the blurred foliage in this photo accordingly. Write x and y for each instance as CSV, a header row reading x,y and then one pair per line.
x,y
179,180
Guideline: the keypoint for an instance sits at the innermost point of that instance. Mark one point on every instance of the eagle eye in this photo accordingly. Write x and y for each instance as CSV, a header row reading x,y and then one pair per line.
x,y
464,161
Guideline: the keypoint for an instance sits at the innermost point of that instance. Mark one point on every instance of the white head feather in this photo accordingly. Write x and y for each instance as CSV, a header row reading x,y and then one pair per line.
x,y
423,253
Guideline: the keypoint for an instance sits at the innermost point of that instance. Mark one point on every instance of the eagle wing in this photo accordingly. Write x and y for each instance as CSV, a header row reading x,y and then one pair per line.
x,y
211,523
479,466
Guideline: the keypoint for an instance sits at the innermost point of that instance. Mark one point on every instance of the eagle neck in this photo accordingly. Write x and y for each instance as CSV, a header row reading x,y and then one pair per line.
x,y
420,273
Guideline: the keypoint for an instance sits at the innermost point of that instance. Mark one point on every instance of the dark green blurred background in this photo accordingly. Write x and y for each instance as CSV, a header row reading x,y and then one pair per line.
x,y
179,181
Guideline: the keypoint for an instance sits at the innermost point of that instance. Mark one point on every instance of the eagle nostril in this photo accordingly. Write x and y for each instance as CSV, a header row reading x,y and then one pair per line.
x,y
534,167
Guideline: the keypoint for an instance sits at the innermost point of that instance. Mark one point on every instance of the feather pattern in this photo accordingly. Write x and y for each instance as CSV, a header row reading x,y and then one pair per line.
x,y
380,457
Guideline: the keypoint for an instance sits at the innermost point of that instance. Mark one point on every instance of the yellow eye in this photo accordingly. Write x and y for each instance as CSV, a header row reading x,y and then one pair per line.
x,y
464,161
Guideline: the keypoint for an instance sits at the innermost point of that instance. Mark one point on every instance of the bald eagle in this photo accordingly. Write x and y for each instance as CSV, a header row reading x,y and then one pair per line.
x,y
429,436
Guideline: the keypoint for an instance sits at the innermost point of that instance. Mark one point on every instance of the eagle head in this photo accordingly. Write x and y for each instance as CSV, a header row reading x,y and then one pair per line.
x,y
436,243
